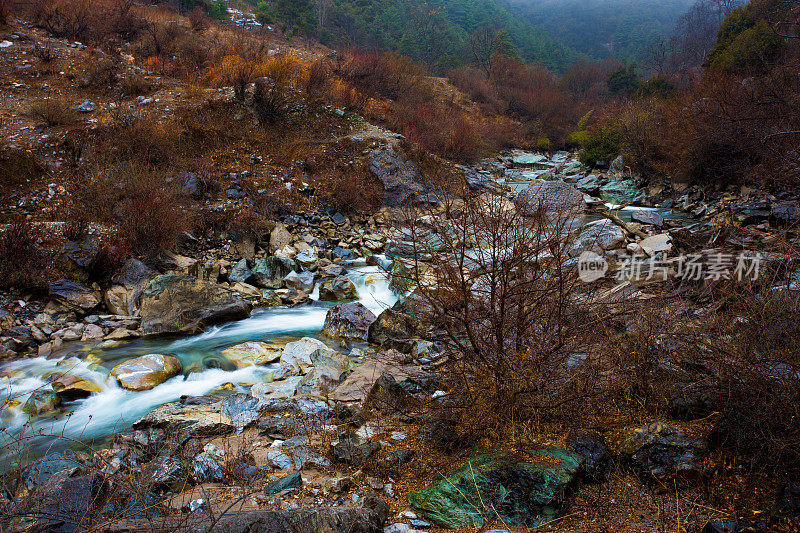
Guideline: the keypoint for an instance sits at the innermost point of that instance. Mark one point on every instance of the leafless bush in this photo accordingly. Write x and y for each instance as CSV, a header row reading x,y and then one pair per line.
x,y
6,7
274,91
53,111
755,338
498,285
27,265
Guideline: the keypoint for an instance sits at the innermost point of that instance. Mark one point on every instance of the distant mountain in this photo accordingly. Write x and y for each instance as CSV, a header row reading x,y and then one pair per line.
x,y
602,28
437,31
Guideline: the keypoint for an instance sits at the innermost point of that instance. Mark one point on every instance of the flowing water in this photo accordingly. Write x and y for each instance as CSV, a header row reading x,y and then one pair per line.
x,y
114,409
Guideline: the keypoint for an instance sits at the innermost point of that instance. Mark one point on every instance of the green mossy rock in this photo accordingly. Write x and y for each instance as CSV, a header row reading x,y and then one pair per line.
x,y
501,486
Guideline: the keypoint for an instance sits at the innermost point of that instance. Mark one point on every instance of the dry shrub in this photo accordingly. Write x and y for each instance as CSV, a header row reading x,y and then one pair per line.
x,y
533,94
151,222
174,49
85,20
102,74
387,75
501,132
476,84
6,8
350,191
275,89
198,19
496,293
276,75
53,111
317,80
444,130
756,339
139,201
642,126
140,139
134,84
44,52
26,265
342,94
586,82
17,166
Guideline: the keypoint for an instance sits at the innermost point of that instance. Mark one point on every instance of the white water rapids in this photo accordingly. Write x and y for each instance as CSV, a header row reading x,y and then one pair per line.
x,y
114,409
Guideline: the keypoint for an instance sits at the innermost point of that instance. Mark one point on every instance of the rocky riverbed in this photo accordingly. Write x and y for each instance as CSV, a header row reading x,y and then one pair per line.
x,y
284,372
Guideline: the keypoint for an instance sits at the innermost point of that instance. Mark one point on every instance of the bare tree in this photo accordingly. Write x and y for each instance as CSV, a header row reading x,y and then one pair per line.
x,y
322,9
486,43
496,281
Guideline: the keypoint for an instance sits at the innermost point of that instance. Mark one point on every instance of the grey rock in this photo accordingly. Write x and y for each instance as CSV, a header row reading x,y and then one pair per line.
x,y
553,197
86,107
189,184
651,218
344,254
206,469
67,502
367,518
339,289
300,281
402,181
662,453
597,457
349,321
292,481
182,304
271,271
600,233
240,272
352,450
74,296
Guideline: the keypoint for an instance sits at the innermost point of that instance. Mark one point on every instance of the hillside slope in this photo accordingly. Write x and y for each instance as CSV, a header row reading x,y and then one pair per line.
x,y
602,28
437,32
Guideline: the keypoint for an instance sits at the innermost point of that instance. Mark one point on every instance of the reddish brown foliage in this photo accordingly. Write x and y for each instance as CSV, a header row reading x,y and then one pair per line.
x,y
25,264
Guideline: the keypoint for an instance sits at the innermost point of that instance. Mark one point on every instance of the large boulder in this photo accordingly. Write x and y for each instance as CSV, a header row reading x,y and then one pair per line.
x,y
329,365
124,295
403,183
662,453
349,321
182,304
297,354
369,517
619,192
304,281
41,401
350,449
270,271
253,353
395,326
603,234
240,272
588,184
358,383
74,296
553,197
339,289
193,418
387,395
146,372
279,238
501,487
649,217
67,502
597,457
70,387
276,390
